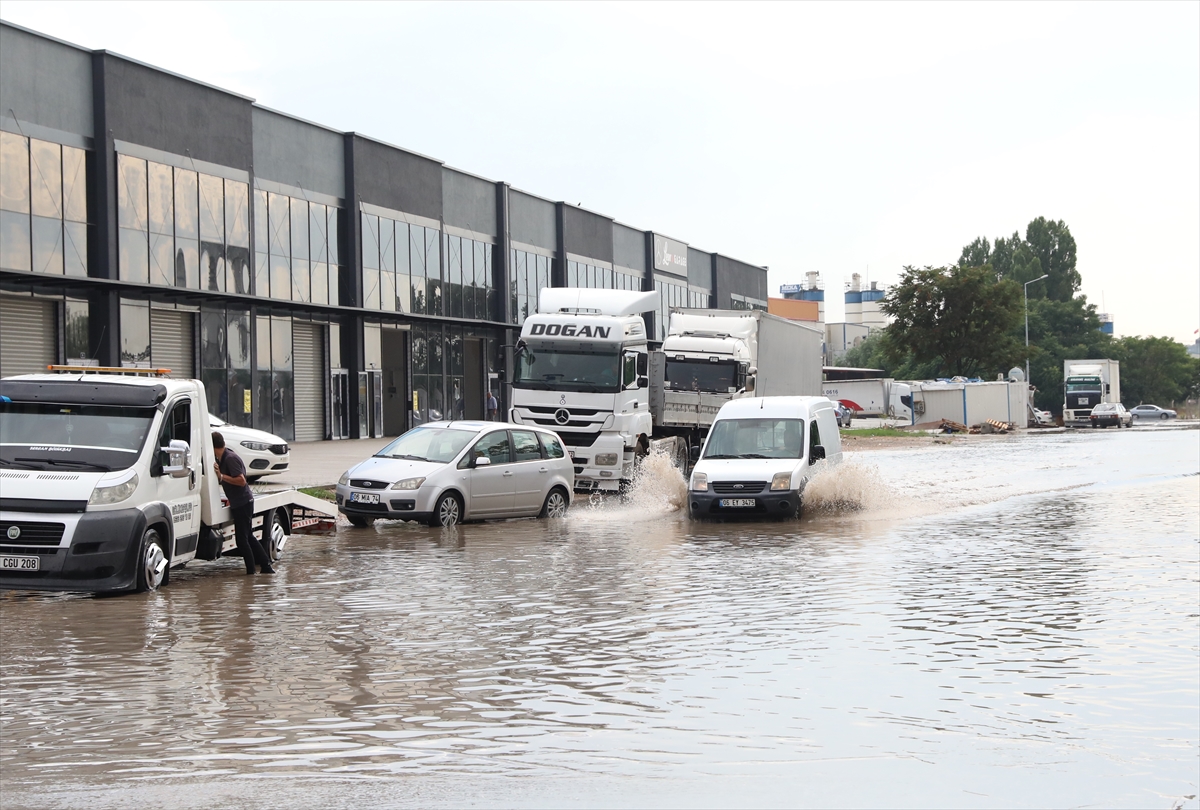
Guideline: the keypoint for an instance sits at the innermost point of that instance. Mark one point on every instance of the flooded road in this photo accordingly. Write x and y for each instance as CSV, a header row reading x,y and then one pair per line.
x,y
1009,623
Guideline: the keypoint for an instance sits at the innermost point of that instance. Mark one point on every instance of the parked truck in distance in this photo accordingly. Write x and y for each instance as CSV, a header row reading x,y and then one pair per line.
x,y
107,482
1086,384
583,370
882,397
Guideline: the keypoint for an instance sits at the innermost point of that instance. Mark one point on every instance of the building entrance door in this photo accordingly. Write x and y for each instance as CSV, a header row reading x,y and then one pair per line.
x,y
474,395
339,397
396,399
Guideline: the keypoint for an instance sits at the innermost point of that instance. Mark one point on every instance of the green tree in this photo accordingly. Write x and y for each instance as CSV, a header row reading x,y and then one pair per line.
x,y
1155,370
958,320
1047,247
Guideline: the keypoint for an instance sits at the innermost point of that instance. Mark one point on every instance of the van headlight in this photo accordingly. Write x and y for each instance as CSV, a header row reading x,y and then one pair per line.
x,y
606,459
781,480
114,494
344,481
700,482
409,483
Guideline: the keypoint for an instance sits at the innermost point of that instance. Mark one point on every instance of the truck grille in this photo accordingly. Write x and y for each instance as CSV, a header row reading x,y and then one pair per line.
x,y
554,410
738,487
32,534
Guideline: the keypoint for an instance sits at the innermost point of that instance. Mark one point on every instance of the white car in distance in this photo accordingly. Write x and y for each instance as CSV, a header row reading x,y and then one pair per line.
x,y
264,453
445,473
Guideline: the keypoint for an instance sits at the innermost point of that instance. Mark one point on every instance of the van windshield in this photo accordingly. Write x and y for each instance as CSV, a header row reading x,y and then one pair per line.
x,y
429,444
44,436
756,438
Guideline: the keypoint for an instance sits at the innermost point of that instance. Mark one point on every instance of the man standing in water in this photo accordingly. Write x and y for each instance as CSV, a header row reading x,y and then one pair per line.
x,y
231,472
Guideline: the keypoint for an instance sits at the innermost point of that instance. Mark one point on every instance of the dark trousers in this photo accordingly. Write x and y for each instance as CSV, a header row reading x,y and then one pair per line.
x,y
251,550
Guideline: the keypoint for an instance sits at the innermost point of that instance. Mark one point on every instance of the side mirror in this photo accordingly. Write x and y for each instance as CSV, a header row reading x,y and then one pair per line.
x,y
694,451
643,382
179,459
816,454
642,360
482,461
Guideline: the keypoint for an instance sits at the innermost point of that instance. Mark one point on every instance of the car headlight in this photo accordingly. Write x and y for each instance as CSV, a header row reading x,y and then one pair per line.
x,y
344,481
781,480
409,483
259,446
700,482
114,494
606,459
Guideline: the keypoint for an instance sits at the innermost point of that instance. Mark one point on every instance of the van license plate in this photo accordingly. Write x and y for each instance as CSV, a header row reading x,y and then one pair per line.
x,y
737,503
20,563
364,497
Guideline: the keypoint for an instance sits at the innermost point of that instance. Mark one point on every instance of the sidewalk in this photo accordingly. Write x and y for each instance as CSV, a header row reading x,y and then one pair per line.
x,y
316,464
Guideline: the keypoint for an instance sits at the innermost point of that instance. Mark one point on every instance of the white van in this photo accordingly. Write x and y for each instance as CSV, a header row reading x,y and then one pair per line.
x,y
759,455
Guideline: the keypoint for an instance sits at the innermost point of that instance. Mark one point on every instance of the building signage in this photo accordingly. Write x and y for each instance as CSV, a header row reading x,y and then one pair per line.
x,y
784,289
670,256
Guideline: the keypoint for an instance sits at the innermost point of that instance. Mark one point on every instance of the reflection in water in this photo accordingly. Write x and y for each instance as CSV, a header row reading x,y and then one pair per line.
x,y
1022,605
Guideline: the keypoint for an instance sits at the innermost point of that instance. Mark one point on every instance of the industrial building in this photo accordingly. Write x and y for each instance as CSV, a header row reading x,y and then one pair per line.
x,y
322,284
863,312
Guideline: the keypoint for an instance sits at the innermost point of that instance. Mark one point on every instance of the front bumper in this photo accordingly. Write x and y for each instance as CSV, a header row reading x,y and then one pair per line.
x,y
102,555
394,504
707,505
591,477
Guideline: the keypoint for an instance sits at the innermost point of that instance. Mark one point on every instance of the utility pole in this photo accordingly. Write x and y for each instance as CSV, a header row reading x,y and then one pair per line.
x,y
1027,283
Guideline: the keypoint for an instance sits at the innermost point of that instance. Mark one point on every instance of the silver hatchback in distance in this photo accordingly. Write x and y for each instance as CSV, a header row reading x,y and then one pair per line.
x,y
444,473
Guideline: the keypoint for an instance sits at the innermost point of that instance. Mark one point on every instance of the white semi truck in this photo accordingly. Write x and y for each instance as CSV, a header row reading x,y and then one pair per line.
x,y
583,369
106,482
882,397
1086,384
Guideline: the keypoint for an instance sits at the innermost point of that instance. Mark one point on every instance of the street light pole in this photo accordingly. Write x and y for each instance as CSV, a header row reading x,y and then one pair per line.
x,y
1027,283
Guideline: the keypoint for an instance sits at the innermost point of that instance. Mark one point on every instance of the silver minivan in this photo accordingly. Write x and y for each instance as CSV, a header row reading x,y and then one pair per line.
x,y
444,473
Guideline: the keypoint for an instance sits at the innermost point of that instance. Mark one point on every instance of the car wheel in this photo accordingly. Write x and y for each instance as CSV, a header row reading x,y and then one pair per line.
x,y
152,562
447,512
358,522
278,537
1164,416
555,505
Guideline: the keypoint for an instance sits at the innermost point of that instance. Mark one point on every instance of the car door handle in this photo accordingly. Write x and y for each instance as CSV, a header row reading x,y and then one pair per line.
x,y
507,473
542,469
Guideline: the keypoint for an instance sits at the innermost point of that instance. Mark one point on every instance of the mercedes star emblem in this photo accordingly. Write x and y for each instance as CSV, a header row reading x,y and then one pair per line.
x,y
562,416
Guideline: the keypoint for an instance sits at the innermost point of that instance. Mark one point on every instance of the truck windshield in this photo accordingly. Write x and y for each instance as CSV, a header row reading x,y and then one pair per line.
x,y
756,438
701,375
429,444
42,436
1083,384
561,370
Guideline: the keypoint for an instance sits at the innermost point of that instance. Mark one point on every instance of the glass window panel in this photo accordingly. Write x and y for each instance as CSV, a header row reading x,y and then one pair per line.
x,y
162,259
238,339
14,173
299,230
335,345
370,241
420,351
135,333
403,248
237,214
161,208
435,351
212,209
279,234
572,274
237,270
332,235
281,277
320,283
387,290
433,297
48,245
456,352
187,263
133,255
480,263
417,297
131,192
261,223
334,282
372,346
403,292
454,259
262,342
318,224
543,274
370,288
187,204
75,248
281,344
282,415
45,179
300,279
212,266
433,254
262,275
75,339
387,247
488,266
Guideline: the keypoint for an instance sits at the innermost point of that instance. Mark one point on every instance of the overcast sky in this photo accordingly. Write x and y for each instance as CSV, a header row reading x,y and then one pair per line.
x,y
842,138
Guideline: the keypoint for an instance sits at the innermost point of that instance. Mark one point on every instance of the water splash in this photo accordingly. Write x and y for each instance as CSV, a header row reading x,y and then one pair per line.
x,y
657,489
851,486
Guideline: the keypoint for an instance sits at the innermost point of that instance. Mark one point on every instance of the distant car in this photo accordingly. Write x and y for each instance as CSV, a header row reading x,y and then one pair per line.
x,y
1152,412
264,453
844,414
1110,413
444,473
1043,418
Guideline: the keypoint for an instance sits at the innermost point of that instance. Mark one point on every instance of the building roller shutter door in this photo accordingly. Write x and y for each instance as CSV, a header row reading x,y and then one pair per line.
x,y
172,341
28,335
308,363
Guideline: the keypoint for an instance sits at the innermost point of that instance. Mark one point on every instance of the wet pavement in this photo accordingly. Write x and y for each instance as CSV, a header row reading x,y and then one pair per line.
x,y
1010,623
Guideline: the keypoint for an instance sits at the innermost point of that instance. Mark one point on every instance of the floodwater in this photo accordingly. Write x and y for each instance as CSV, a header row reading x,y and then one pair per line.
x,y
1010,623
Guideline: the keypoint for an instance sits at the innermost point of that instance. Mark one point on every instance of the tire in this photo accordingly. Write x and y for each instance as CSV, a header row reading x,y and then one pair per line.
x,y
1163,417
153,566
277,538
358,522
556,504
447,511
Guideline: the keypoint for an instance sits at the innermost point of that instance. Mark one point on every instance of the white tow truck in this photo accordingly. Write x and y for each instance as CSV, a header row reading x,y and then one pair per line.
x,y
106,482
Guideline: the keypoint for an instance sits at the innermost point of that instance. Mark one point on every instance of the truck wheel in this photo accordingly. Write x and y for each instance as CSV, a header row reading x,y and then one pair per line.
x,y
447,511
358,522
153,564
278,537
555,505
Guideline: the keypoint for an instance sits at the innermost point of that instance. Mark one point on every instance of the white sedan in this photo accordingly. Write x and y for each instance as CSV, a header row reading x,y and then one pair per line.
x,y
1152,412
444,473
264,453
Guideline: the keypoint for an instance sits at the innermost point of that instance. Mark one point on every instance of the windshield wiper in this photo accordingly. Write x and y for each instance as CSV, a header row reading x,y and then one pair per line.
x,y
62,462
8,463
405,456
720,455
753,455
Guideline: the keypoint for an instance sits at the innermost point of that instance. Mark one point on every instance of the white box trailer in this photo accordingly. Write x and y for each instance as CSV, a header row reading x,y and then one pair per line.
x,y
971,403
106,483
